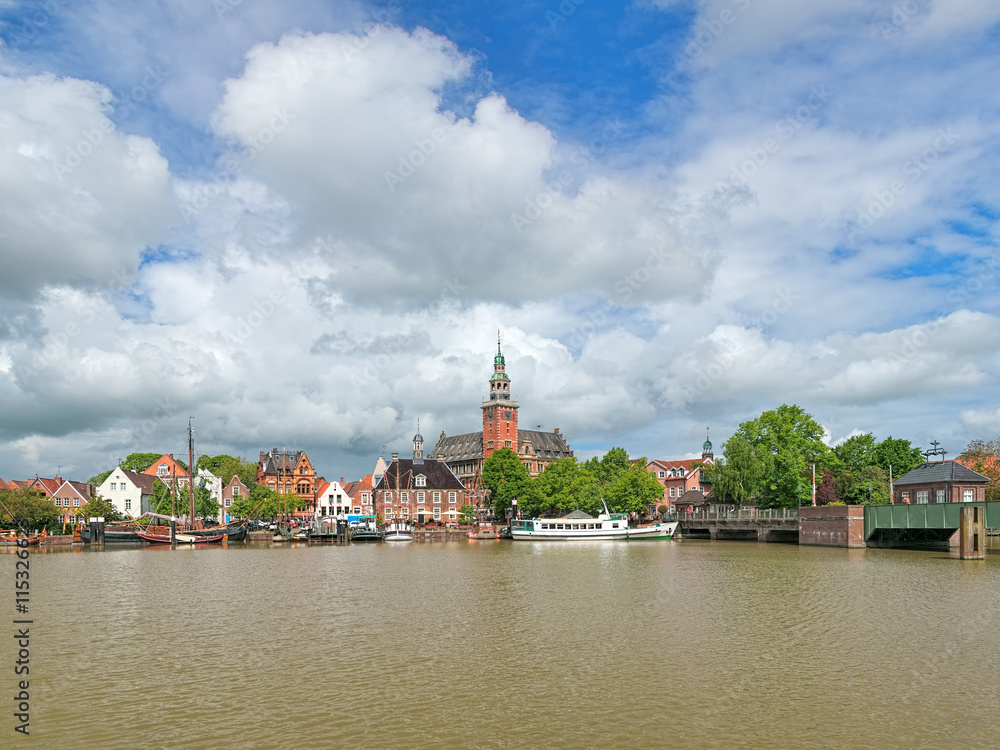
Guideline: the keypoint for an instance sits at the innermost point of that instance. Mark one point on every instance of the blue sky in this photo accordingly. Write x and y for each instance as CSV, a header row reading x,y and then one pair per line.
x,y
305,223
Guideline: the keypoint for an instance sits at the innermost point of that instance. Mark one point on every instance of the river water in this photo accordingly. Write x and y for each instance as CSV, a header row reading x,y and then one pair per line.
x,y
474,644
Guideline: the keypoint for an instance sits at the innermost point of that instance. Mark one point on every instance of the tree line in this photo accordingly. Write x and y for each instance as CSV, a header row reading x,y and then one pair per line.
x,y
566,485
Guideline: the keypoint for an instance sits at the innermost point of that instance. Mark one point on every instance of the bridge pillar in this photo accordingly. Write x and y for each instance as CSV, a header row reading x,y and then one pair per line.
x,y
972,533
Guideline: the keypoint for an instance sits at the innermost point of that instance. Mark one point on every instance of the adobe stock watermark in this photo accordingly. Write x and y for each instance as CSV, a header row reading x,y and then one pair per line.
x,y
785,128
91,139
913,168
708,30
564,10
382,18
902,14
233,165
705,377
268,305
409,163
582,158
782,303
923,334
34,22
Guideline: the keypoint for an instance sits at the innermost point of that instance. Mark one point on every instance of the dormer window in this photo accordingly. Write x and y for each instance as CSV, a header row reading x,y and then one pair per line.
x,y
421,481
162,470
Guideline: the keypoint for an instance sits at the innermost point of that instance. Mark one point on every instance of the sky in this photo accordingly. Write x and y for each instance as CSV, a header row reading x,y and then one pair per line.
x,y
303,224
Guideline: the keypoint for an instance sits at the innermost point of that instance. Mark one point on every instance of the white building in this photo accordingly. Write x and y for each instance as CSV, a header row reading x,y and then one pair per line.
x,y
129,492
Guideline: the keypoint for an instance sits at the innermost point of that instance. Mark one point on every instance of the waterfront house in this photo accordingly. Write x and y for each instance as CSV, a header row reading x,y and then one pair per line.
x,y
213,484
230,494
678,477
362,493
421,489
130,492
940,482
289,472
46,486
166,468
71,499
332,499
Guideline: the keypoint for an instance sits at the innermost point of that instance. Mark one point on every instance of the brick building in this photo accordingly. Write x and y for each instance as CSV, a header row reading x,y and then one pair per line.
x,y
421,489
465,453
683,476
289,472
940,482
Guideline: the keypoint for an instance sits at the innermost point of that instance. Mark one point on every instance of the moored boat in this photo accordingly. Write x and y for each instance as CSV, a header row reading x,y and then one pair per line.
x,y
398,532
180,538
580,526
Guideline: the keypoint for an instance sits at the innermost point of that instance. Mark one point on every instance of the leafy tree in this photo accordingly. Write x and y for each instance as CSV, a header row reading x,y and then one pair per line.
x,y
506,477
794,440
467,514
633,490
826,491
857,451
212,463
139,461
27,508
98,480
740,475
898,454
984,458
226,467
868,485
563,486
98,507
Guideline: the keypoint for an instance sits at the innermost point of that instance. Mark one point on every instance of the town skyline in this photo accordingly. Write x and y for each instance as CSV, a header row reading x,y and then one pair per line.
x,y
303,225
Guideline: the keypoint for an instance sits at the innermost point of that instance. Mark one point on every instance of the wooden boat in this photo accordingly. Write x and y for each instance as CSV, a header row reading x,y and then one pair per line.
x,y
398,532
484,530
180,537
115,535
580,526
13,536
233,532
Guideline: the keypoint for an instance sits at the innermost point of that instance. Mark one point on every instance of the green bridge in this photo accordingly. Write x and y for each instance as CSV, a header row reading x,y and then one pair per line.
x,y
935,522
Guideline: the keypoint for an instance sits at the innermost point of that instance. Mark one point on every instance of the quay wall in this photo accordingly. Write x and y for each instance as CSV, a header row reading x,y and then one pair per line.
x,y
832,526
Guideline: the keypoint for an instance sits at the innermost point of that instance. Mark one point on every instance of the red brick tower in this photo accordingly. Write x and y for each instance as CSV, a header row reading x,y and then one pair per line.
x,y
499,410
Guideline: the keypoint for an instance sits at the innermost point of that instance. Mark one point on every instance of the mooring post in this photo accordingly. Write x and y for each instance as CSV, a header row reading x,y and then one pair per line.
x,y
972,533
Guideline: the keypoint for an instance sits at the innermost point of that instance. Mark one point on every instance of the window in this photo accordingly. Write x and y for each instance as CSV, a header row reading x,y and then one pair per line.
x,y
672,492
437,512
451,498
661,475
162,470
402,497
388,512
76,502
236,491
421,481
420,498
228,502
437,498
58,502
968,496
940,496
128,503
357,509
922,497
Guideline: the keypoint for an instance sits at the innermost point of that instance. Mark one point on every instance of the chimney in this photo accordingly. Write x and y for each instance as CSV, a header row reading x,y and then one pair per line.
x,y
440,457
341,480
395,456
556,430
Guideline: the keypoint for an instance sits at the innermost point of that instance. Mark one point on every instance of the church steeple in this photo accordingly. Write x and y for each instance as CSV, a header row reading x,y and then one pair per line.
x,y
499,382
706,447
418,444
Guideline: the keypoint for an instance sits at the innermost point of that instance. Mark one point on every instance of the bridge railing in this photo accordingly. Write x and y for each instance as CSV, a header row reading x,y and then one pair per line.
x,y
748,513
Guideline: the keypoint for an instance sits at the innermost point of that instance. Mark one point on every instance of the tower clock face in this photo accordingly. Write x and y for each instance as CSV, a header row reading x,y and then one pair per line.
x,y
506,415
490,414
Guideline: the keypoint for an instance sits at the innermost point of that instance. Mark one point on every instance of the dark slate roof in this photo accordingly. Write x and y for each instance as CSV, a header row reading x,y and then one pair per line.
x,y
271,462
439,476
144,482
691,497
941,471
467,447
548,445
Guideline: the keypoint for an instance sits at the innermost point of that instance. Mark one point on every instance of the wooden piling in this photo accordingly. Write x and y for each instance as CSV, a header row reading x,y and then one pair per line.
x,y
972,533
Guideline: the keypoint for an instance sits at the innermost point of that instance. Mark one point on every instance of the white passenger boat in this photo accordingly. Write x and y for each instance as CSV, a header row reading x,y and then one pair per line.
x,y
398,532
579,526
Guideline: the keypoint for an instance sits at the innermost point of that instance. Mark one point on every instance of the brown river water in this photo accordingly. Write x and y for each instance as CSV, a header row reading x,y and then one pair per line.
x,y
473,644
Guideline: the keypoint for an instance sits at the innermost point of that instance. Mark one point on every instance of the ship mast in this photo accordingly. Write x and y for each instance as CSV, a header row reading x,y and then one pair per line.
x,y
191,468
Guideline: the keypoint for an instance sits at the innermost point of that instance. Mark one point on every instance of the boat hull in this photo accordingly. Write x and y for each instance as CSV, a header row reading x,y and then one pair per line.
x,y
181,538
535,532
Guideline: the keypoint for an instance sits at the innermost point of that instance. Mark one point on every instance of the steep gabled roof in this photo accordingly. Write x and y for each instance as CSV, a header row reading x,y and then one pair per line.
x,y
547,445
278,461
145,482
467,447
941,471
49,487
439,476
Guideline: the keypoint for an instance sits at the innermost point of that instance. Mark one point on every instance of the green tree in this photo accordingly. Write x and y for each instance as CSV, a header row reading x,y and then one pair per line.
x,y
506,478
139,461
740,475
226,467
98,479
27,508
794,440
98,507
563,486
869,485
857,451
632,490
898,454
984,457
467,514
